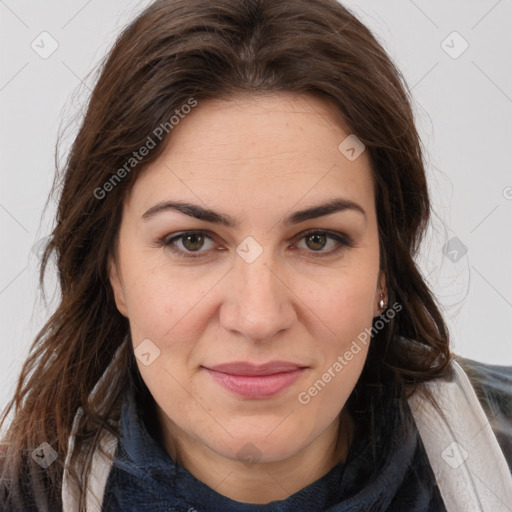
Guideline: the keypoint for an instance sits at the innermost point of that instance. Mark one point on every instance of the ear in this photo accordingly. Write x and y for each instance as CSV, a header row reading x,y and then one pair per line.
x,y
117,286
380,293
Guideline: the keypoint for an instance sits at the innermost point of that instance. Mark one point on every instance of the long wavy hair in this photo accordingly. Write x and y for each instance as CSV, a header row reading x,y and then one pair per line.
x,y
173,51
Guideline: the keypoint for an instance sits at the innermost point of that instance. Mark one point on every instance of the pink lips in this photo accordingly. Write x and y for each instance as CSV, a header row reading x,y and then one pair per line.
x,y
254,381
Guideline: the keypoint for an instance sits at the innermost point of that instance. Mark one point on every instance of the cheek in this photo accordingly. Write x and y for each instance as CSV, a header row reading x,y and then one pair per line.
x,y
158,295
165,307
150,307
326,392
340,357
346,305
161,312
346,313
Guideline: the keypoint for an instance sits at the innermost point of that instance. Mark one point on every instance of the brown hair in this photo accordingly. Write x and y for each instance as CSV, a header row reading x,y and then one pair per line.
x,y
173,51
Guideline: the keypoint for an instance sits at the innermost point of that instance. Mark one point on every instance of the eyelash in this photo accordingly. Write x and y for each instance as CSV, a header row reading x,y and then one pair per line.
x,y
343,241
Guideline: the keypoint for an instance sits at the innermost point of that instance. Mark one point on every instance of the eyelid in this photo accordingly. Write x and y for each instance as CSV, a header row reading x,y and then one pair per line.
x,y
342,239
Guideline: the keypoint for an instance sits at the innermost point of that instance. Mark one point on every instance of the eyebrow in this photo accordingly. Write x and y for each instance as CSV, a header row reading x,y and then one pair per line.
x,y
334,205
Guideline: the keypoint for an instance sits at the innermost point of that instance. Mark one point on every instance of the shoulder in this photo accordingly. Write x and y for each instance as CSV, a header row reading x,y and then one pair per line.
x,y
493,388
492,385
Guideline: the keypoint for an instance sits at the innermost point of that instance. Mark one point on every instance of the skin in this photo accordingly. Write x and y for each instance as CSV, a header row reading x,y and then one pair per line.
x,y
257,159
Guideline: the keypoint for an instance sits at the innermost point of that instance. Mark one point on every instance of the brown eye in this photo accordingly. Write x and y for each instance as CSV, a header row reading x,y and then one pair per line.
x,y
188,243
317,241
193,242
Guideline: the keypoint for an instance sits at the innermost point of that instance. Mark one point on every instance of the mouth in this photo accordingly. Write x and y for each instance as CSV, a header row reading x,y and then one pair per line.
x,y
256,381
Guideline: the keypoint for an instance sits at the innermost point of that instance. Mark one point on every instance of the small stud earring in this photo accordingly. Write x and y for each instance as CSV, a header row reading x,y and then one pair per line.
x,y
382,304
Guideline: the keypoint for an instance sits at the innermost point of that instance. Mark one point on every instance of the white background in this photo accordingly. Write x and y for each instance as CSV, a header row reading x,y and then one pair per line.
x,y
464,113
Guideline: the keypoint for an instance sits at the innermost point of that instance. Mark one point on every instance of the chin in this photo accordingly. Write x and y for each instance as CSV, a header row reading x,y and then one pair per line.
x,y
260,447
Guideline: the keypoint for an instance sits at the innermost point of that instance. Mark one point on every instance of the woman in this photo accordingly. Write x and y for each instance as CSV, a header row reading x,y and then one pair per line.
x,y
242,324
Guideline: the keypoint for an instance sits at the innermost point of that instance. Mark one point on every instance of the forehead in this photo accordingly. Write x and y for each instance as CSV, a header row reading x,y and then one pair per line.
x,y
254,152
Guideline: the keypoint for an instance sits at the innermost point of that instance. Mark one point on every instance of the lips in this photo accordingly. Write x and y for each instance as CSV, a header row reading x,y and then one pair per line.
x,y
249,369
256,381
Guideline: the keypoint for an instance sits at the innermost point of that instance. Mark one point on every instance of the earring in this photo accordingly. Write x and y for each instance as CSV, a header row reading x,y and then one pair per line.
x,y
382,304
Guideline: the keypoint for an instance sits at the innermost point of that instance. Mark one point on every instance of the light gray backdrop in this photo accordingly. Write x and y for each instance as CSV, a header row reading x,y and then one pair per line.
x,y
456,56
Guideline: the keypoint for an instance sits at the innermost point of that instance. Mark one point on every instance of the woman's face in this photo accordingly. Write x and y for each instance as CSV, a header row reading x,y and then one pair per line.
x,y
252,284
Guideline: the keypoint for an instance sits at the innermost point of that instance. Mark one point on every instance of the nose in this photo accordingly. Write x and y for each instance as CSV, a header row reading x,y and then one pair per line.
x,y
259,302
